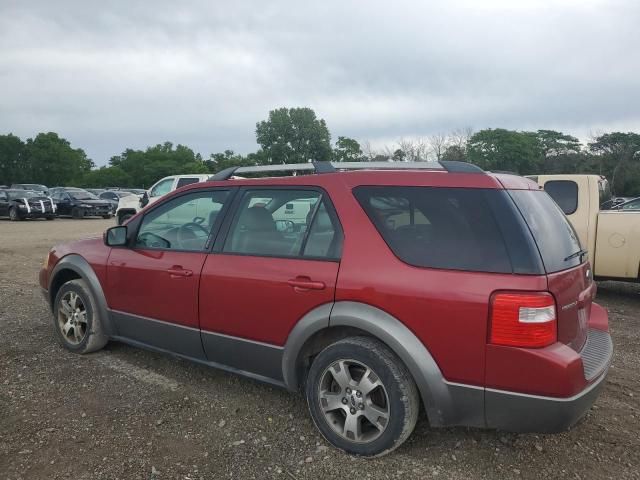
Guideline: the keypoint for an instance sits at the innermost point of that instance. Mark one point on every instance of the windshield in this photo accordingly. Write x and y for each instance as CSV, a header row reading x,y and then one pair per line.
x,y
82,195
556,239
13,194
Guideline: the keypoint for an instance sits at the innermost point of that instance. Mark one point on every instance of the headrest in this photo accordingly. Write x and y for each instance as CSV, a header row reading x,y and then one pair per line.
x,y
257,219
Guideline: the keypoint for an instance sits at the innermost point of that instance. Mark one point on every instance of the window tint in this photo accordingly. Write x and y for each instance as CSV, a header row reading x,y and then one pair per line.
x,y
565,194
161,188
278,223
183,223
451,228
186,181
554,235
632,205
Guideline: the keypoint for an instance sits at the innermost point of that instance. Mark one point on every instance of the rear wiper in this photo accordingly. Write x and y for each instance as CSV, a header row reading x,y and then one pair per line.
x,y
579,253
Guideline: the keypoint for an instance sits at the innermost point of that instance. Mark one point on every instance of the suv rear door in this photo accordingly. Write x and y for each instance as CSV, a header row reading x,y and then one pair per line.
x,y
266,274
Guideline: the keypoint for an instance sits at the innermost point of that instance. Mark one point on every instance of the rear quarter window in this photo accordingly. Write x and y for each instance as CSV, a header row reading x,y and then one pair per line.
x,y
554,235
448,228
565,194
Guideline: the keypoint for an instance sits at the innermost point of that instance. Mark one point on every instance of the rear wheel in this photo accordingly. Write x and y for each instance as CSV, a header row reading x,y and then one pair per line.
x,y
51,218
76,319
361,397
77,212
14,215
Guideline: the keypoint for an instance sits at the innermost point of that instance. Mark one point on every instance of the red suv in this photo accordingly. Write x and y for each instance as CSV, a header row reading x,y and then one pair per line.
x,y
373,291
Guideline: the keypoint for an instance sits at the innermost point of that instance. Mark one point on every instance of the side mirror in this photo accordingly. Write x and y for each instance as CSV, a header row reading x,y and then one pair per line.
x,y
116,236
144,200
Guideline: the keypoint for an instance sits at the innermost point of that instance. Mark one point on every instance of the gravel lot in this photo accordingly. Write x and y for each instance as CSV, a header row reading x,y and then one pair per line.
x,y
127,413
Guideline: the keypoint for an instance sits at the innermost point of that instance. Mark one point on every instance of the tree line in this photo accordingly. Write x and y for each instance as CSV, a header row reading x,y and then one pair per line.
x,y
297,135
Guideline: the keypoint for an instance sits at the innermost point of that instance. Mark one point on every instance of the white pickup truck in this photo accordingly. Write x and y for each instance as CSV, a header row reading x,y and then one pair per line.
x,y
611,237
129,206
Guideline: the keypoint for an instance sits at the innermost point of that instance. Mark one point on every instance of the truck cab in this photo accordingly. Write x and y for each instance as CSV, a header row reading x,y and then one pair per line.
x,y
611,237
129,206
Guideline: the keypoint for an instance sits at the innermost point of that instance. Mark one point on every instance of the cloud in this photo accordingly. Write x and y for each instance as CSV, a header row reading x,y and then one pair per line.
x,y
129,74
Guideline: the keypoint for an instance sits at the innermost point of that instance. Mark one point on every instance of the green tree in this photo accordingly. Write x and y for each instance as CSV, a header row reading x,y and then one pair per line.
x,y
399,155
454,153
50,159
11,160
347,150
226,159
500,149
293,135
618,157
148,166
107,177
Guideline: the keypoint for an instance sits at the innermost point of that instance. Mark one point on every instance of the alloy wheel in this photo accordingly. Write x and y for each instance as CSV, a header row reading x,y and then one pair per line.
x,y
72,318
354,401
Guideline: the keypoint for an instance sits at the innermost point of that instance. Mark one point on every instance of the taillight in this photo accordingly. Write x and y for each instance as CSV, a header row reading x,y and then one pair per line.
x,y
523,319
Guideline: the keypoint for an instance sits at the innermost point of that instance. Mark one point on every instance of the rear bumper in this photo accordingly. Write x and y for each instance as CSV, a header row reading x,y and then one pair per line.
x,y
517,412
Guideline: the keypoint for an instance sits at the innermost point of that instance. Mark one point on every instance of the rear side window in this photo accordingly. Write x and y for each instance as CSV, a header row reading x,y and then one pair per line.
x,y
449,228
554,235
186,181
565,194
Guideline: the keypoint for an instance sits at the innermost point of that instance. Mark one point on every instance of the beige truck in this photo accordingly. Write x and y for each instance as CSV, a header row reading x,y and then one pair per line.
x,y
611,237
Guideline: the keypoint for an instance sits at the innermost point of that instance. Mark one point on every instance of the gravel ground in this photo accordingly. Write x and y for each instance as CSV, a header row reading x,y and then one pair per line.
x,y
127,413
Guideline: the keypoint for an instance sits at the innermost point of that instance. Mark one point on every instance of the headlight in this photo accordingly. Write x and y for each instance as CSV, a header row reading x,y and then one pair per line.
x,y
22,205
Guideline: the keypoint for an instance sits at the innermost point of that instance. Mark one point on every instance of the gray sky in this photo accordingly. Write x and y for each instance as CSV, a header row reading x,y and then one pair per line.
x,y
118,74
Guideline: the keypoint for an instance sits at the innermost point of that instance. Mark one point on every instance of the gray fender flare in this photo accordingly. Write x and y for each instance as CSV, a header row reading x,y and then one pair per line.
x,y
80,266
434,390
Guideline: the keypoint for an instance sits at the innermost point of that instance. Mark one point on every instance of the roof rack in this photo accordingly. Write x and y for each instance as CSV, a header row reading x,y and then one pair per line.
x,y
331,167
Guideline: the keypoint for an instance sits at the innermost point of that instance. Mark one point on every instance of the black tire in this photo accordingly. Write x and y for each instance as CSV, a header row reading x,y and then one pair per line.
x,y
94,337
51,218
14,215
402,399
106,217
77,212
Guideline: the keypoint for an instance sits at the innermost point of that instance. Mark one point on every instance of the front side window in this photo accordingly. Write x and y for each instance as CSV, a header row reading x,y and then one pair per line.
x,y
449,228
565,194
183,223
286,223
161,188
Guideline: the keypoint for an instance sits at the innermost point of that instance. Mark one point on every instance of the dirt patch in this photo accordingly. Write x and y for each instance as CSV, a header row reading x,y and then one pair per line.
x,y
127,413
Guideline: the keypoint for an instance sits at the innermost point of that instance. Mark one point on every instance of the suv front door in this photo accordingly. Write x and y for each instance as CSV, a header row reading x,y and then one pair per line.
x,y
266,275
152,285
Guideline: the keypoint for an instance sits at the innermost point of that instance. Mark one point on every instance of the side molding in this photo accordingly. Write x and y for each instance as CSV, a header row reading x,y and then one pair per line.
x,y
314,321
80,266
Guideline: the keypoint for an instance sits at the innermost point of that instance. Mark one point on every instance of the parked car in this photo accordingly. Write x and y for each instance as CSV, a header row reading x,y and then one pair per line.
x,y
137,191
611,238
23,204
425,285
114,196
129,206
96,191
78,203
614,202
33,187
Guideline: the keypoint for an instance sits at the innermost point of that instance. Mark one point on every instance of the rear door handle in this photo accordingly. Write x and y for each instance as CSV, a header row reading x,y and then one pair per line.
x,y
301,284
177,271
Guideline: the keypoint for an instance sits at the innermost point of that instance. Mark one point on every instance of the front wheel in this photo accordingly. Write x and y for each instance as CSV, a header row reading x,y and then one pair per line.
x,y
76,318
106,217
361,397
14,216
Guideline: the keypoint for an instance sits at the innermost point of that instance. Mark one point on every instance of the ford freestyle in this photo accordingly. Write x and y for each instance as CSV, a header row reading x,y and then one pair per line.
x,y
377,289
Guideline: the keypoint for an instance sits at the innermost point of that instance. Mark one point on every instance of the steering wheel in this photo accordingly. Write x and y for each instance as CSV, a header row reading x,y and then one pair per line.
x,y
187,232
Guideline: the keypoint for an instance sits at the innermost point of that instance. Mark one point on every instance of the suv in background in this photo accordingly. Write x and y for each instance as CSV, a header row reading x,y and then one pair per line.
x,y
129,206
390,289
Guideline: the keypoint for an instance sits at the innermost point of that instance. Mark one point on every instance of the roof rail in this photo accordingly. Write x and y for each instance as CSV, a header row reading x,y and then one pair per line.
x,y
330,167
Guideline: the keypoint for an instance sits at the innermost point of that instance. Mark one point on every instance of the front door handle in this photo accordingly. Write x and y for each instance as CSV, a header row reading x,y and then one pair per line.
x,y
177,271
301,284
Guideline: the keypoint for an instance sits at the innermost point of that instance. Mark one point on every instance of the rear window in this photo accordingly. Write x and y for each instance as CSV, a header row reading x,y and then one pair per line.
x,y
449,228
186,181
565,194
554,235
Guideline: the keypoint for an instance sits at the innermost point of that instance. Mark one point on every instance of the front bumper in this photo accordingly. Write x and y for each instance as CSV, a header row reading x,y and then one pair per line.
x,y
520,412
